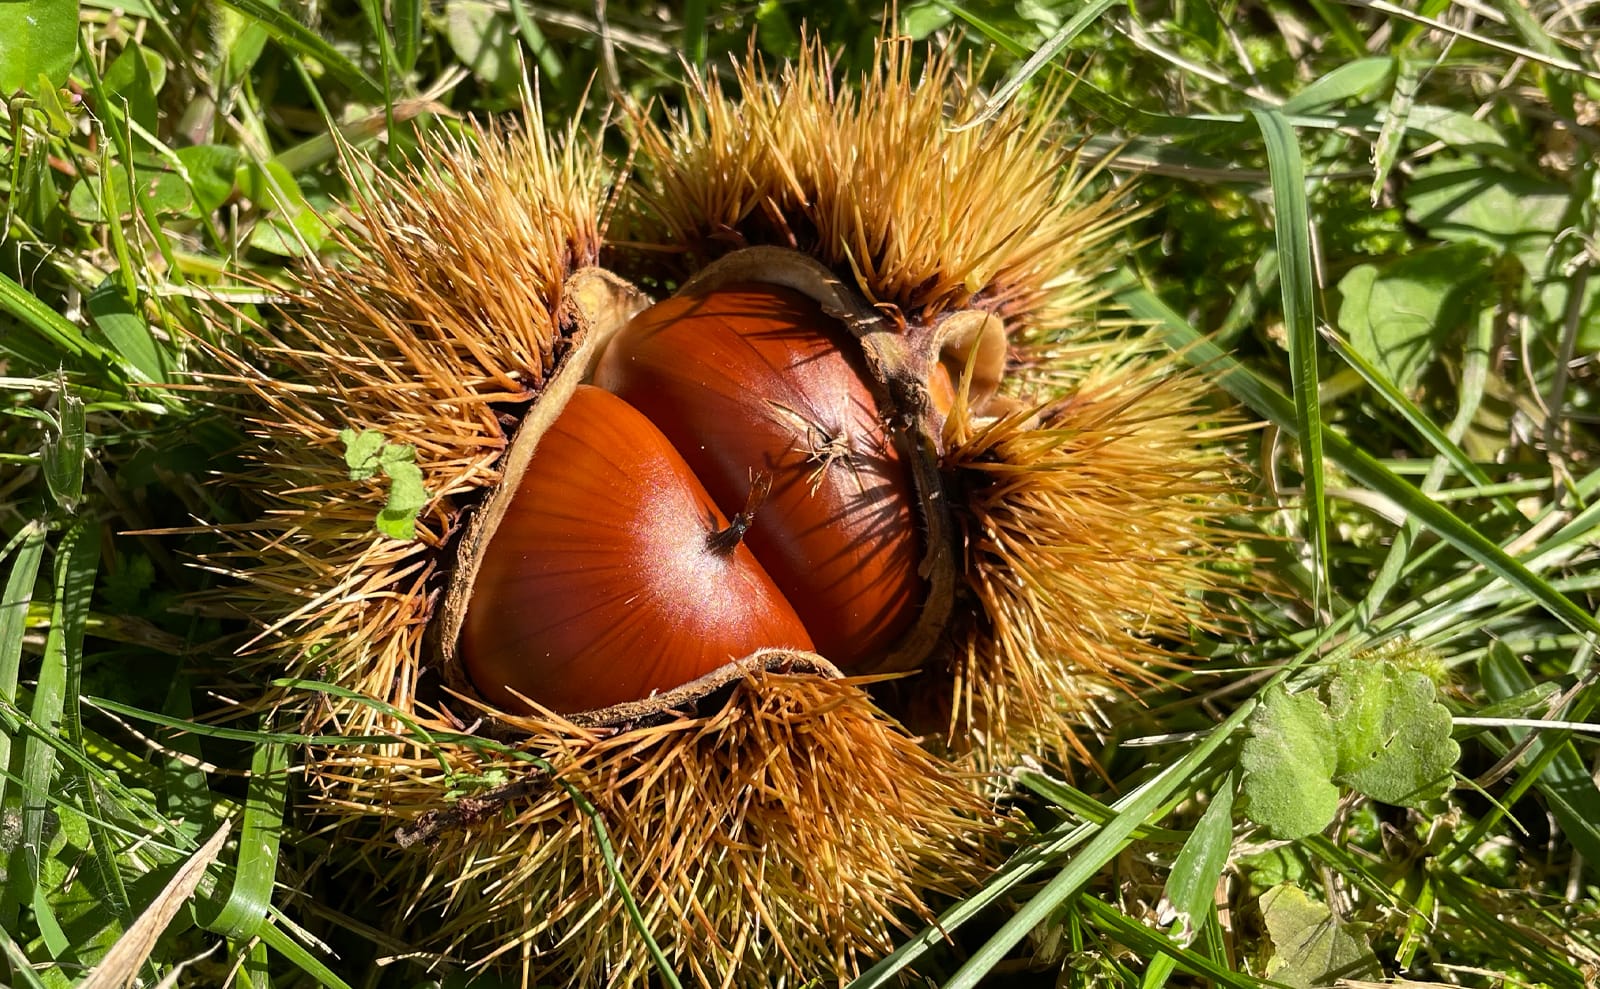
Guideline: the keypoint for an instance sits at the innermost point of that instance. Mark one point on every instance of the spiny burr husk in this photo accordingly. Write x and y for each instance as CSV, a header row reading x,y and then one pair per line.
x,y
875,179
1092,538
765,821
1087,478
790,833
771,822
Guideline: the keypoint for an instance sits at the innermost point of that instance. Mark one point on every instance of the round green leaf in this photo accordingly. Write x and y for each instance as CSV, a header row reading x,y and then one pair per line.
x,y
211,169
37,38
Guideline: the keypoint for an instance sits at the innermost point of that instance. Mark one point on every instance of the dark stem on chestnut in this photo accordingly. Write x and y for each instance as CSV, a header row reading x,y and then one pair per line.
x,y
725,541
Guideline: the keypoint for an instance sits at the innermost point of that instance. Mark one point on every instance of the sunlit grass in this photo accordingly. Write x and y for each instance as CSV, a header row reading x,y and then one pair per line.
x,y
1373,226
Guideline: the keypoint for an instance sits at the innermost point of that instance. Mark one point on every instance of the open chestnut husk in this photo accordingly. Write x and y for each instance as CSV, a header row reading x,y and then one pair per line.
x,y
1030,512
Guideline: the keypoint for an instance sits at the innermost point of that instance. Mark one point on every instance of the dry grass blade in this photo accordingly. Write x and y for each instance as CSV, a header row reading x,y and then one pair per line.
x,y
121,965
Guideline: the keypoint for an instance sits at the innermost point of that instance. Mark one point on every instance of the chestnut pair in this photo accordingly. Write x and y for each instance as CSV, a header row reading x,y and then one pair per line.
x,y
726,484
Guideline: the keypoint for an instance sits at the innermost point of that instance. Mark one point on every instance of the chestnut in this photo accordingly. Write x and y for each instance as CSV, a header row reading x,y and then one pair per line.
x,y
755,377
613,574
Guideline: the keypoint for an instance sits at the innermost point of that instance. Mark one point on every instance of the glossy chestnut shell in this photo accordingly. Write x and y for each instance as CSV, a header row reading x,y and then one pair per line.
x,y
754,377
602,583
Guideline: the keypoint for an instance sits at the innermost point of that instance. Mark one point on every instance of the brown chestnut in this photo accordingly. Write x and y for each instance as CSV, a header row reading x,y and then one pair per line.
x,y
612,575
752,377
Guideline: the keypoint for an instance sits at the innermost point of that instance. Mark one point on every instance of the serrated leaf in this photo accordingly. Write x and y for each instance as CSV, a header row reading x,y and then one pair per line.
x,y
406,497
1310,947
1288,763
37,38
366,453
361,452
397,453
1393,734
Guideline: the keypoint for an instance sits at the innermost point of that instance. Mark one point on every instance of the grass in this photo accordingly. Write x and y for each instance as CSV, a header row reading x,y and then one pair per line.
x,y
1374,224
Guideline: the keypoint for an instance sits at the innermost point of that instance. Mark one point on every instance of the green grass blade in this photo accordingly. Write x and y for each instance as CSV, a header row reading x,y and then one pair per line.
x,y
244,912
301,40
1084,807
1565,781
75,580
203,730
1147,798
1341,26
1035,64
694,32
407,33
630,903
1105,845
134,805
49,701
183,789
1419,420
119,128
1192,884
21,964
26,555
53,328
551,67
995,35
1517,945
1386,150
1151,943
1260,396
1297,281
1348,81
296,954
1024,864
121,965
1470,394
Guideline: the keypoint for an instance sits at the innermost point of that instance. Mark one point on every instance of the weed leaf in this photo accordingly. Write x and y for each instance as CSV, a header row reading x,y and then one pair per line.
x,y
1310,947
37,37
361,452
1397,315
1393,734
1288,765
406,497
